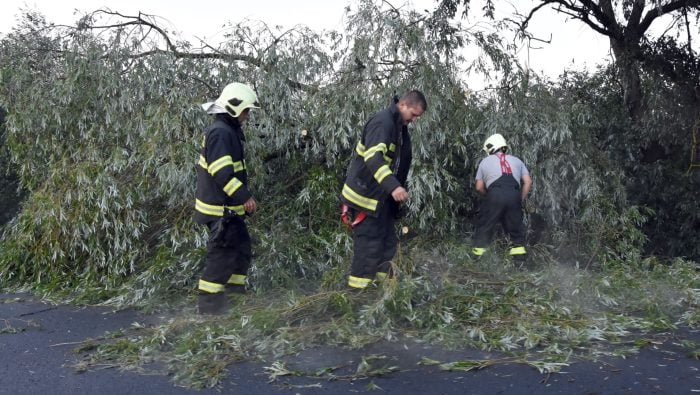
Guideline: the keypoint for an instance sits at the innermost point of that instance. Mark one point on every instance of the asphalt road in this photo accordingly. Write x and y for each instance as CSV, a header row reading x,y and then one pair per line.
x,y
37,343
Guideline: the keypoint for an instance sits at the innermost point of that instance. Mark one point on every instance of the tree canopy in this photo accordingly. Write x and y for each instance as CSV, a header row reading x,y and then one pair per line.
x,y
102,124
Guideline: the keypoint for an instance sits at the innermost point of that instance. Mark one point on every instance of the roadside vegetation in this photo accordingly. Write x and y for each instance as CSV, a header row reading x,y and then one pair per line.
x,y
101,126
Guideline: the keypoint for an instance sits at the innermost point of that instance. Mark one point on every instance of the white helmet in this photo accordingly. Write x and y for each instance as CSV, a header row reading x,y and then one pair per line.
x,y
494,143
236,97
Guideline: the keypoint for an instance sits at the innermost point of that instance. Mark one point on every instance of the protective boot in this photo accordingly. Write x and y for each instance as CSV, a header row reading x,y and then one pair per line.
x,y
232,289
386,271
521,261
212,303
519,255
477,253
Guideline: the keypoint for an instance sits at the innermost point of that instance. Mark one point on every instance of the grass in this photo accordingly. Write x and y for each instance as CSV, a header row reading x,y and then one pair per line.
x,y
13,326
543,317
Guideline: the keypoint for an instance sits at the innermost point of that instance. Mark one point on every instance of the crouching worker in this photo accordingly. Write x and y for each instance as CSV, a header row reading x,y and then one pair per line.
x,y
223,199
505,182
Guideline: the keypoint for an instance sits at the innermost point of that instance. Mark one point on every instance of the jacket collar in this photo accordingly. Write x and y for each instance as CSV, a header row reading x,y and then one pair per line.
x,y
233,123
395,114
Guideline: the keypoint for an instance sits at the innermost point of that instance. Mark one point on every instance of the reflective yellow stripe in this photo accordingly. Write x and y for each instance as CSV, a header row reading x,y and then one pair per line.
x,y
381,173
358,282
203,162
220,163
517,251
232,186
392,148
381,147
359,200
478,251
381,276
237,166
208,209
238,279
360,149
217,211
212,288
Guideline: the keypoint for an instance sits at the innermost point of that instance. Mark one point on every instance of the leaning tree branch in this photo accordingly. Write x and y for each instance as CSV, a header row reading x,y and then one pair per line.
x,y
522,25
212,90
604,14
277,39
172,49
526,21
393,10
665,9
602,23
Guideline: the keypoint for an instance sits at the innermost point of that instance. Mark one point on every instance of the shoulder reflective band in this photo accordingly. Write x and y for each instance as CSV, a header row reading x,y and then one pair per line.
x,y
361,151
220,163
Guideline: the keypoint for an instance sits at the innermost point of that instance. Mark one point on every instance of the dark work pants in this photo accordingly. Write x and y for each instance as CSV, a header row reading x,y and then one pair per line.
x,y
374,244
502,205
234,257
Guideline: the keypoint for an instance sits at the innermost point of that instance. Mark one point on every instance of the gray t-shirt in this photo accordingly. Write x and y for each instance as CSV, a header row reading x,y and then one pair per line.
x,y
490,169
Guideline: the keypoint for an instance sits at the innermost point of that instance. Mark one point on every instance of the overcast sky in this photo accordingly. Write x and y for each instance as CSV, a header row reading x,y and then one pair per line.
x,y
573,44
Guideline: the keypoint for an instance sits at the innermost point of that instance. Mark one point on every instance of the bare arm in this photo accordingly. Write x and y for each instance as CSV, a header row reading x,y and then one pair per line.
x,y
525,188
481,187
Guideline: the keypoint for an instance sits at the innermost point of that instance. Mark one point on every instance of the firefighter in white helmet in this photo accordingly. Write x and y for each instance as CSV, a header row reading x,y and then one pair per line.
x,y
505,183
223,199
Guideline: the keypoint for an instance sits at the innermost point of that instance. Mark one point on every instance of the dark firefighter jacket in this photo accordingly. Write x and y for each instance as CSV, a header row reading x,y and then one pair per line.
x,y
222,181
383,157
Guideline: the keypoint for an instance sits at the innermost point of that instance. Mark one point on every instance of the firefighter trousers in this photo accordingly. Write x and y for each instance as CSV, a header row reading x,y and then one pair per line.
x,y
502,205
374,246
228,256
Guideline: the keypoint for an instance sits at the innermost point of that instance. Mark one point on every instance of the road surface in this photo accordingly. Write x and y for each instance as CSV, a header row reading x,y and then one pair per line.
x,y
37,342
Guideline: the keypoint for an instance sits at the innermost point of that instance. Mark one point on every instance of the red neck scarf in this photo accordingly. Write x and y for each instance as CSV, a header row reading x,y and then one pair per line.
x,y
505,166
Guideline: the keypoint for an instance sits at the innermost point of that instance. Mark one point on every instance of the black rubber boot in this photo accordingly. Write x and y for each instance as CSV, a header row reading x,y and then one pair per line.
x,y
235,289
214,304
521,261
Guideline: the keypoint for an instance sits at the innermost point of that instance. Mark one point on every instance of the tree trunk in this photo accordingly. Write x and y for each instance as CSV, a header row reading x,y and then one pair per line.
x,y
628,70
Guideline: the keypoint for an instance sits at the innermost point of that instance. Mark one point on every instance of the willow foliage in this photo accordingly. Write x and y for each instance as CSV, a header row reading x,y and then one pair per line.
x,y
103,127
